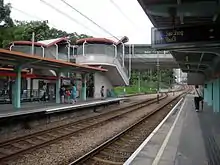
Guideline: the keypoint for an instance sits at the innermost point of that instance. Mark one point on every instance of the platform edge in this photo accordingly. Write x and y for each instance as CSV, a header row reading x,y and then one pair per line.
x,y
132,157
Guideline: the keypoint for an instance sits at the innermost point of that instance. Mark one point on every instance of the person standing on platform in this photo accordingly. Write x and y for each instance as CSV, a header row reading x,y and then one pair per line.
x,y
62,94
102,92
198,97
68,94
44,92
73,94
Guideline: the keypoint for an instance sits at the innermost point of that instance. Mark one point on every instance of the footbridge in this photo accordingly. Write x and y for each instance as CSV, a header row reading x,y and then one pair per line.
x,y
144,57
120,58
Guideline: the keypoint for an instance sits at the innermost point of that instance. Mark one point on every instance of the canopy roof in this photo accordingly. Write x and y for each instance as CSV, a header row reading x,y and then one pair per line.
x,y
26,60
176,14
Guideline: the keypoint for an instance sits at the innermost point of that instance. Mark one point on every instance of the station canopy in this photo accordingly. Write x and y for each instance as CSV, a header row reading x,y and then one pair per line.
x,y
27,60
189,29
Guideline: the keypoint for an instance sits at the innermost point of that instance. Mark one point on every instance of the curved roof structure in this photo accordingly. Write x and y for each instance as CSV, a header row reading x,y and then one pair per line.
x,y
27,43
95,40
51,42
44,43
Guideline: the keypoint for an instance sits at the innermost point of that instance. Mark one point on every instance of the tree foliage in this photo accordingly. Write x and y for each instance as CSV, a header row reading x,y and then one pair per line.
x,y
5,11
165,76
22,30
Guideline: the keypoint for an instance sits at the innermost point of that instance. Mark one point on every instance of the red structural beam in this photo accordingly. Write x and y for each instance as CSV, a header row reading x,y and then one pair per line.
x,y
27,75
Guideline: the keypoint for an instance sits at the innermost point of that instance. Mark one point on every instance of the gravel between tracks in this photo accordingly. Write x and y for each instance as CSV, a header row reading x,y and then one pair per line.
x,y
62,152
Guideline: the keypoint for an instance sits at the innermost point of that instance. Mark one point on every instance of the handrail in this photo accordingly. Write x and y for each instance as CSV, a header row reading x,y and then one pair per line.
x,y
84,47
116,53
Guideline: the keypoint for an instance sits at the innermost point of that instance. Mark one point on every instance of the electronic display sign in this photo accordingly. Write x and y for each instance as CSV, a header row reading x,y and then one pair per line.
x,y
185,36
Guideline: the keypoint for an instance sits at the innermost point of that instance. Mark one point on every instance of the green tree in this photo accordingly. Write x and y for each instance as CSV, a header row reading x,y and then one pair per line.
x,y
22,30
5,11
6,23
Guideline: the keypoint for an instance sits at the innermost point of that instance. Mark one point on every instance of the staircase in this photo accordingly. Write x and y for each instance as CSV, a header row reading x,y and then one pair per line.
x,y
117,74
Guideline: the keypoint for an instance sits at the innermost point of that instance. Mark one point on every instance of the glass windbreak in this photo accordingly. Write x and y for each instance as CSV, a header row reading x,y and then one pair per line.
x,y
27,49
96,49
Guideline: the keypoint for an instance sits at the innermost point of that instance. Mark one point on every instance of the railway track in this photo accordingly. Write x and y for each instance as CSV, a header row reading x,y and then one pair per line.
x,y
17,146
117,150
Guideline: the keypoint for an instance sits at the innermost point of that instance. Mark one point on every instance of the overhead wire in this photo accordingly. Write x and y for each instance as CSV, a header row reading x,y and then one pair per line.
x,y
30,15
25,13
61,12
46,3
120,10
125,15
90,19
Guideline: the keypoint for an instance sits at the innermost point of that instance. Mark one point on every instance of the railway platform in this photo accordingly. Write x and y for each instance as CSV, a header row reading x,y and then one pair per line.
x,y
184,137
31,108
7,110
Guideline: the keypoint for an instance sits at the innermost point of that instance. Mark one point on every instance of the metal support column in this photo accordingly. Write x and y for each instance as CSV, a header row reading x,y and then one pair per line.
x,y
58,85
17,88
216,95
139,82
83,94
129,66
209,93
206,93
212,92
158,77
123,54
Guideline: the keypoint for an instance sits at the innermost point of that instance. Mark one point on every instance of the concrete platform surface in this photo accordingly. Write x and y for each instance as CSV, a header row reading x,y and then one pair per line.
x,y
185,138
7,110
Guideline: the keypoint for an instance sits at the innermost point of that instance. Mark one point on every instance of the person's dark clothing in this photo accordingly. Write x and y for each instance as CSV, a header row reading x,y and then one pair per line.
x,y
43,98
62,92
102,92
196,101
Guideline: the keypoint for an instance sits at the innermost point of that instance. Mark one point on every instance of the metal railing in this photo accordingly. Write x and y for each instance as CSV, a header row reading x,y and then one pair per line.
x,y
108,50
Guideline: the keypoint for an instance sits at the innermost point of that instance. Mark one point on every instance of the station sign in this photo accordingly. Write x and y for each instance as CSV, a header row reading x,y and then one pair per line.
x,y
182,37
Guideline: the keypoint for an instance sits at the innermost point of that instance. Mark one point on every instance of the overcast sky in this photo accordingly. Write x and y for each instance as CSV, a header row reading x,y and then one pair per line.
x,y
135,24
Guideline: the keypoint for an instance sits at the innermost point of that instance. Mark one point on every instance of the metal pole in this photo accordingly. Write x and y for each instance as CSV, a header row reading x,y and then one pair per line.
x,y
43,51
57,52
10,48
84,48
115,47
158,77
31,71
73,47
68,51
123,54
139,82
32,44
130,52
150,75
